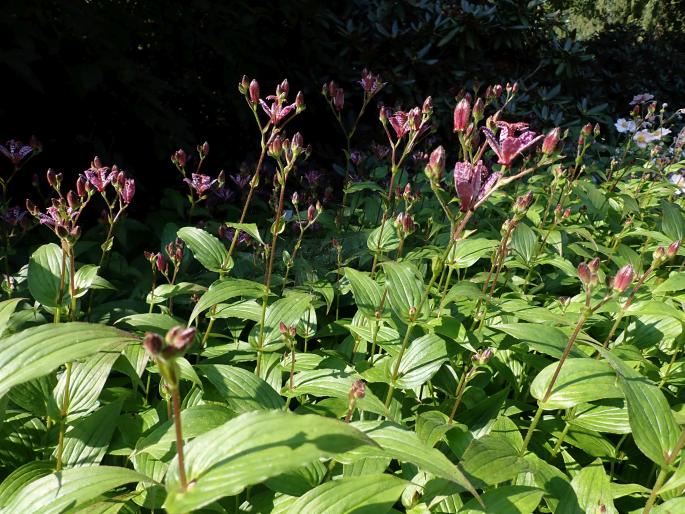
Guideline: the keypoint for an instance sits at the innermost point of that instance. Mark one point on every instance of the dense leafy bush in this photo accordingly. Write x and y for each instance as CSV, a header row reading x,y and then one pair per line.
x,y
503,337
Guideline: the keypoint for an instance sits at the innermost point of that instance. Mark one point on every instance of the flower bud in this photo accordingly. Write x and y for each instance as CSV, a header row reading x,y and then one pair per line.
x,y
594,264
412,312
435,168
178,158
478,109
31,207
596,131
282,328
275,147
292,331
203,150
462,114
254,92
153,343
594,280
522,203
497,90
515,88
587,129
659,255
311,213
672,249
584,273
358,389
283,87
414,118
72,200
407,224
81,186
339,99
128,190
62,231
549,145
180,337
623,278
52,179
295,198
427,107
567,212
244,85
383,115
297,143
161,263
299,102
319,207
96,162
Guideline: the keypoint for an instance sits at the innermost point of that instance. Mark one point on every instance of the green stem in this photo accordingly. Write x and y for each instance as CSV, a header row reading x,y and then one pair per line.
x,y
531,429
396,369
564,356
64,411
560,440
179,439
459,394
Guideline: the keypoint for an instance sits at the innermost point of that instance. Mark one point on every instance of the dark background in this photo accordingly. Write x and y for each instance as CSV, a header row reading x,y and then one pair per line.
x,y
131,81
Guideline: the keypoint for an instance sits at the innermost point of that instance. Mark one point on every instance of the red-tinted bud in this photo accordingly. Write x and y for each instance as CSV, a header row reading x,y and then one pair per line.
x,y
584,273
594,264
594,280
295,198
478,109
179,158
161,263
383,115
587,129
407,191
244,85
358,389
81,186
203,149
497,90
407,223
282,328
180,337
128,190
414,118
427,106
549,145
462,114
339,99
297,143
659,255
515,88
292,331
522,203
311,213
153,343
299,102
276,146
62,231
567,212
254,92
435,168
623,278
96,162
672,249
149,256
283,87
52,178
72,200
31,207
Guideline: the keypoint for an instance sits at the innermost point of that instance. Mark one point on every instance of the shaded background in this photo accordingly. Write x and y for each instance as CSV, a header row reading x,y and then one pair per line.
x,y
132,81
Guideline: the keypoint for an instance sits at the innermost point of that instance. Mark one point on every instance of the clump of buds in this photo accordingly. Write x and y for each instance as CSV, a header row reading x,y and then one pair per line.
x,y
661,254
587,273
165,351
357,391
521,204
482,356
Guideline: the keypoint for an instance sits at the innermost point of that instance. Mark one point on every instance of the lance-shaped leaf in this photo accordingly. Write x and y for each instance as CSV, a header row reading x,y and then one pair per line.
x,y
287,310
6,310
206,248
384,238
405,289
225,289
242,390
421,361
366,292
56,492
37,351
255,446
45,270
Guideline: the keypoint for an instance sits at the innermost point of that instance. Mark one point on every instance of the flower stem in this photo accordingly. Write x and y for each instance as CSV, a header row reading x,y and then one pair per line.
x,y
179,438
63,414
396,368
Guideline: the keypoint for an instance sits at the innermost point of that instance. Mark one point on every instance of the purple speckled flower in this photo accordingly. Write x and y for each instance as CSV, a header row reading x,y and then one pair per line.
x,y
511,145
200,183
15,151
99,177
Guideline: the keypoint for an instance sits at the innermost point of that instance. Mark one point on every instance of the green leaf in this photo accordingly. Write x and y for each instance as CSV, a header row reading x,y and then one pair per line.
x,y
249,228
370,494
21,476
84,278
384,238
508,499
225,289
396,442
421,361
255,446
523,242
593,488
676,282
405,289
287,310
334,384
54,493
466,252
672,222
7,308
655,429
37,351
607,417
87,440
45,267
195,420
242,390
165,291
580,381
541,338
206,248
493,459
366,292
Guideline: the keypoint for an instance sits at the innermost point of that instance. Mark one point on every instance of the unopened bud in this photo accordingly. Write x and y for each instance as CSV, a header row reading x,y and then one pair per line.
x,y
624,277
587,129
594,264
297,143
283,87
672,249
427,106
161,263
31,207
412,312
203,149
567,212
244,85
179,158
358,389
180,337
549,145
153,343
295,198
62,231
522,203
462,114
275,147
478,109
339,99
311,213
72,200
596,131
497,90
659,255
584,273
81,186
52,178
282,328
299,102
254,92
